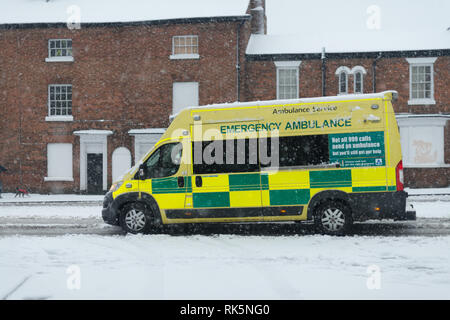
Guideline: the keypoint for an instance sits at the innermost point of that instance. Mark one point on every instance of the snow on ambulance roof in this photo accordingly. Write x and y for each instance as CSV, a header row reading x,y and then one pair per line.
x,y
343,97
104,11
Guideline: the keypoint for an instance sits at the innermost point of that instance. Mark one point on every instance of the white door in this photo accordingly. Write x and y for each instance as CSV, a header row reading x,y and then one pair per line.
x,y
121,162
185,94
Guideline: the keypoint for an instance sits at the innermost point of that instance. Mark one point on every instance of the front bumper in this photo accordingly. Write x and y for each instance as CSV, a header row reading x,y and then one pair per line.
x,y
109,212
381,205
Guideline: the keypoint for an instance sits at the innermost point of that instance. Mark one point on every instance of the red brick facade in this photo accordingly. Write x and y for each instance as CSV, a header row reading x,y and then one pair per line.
x,y
122,79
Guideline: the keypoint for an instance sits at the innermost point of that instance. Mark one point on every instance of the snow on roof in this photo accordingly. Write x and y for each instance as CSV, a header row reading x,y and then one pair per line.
x,y
305,27
312,43
97,11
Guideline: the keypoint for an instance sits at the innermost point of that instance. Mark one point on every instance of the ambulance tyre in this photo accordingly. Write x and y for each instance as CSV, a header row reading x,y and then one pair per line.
x,y
333,217
139,218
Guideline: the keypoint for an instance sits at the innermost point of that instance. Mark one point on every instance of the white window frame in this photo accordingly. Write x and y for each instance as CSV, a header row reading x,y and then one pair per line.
x,y
288,65
421,62
342,74
66,58
343,70
60,118
181,56
362,82
358,70
93,141
68,177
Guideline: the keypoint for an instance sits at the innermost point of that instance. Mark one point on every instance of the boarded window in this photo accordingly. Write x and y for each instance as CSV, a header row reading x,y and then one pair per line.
x,y
59,161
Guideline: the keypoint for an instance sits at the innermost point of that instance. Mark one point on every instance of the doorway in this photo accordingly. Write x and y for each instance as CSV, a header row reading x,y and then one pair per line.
x,y
95,173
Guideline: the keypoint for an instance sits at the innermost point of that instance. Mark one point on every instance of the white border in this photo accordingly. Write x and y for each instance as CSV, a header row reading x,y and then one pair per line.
x,y
93,140
427,62
288,65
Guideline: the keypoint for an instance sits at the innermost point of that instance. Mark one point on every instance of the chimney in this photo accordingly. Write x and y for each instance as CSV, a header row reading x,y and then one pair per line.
x,y
258,13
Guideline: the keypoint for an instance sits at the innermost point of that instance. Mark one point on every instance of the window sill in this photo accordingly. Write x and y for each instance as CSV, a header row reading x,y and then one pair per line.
x,y
421,102
184,56
58,179
59,118
59,59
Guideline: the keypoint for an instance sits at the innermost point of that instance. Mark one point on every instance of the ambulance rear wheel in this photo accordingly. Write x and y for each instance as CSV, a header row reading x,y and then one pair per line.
x,y
138,218
333,218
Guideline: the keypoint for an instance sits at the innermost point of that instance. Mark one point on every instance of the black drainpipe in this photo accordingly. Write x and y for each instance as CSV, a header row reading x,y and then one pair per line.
x,y
374,73
238,62
324,68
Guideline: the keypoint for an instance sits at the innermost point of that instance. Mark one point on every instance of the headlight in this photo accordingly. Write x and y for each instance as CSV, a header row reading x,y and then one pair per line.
x,y
115,186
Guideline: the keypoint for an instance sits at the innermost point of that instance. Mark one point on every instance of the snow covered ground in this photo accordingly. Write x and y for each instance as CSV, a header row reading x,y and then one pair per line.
x,y
109,265
224,267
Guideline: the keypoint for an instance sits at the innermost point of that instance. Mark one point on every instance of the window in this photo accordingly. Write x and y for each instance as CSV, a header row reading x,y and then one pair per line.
x,y
225,156
300,150
185,47
59,162
358,79
343,83
247,155
59,50
342,73
185,94
423,140
60,100
164,162
421,83
287,83
287,79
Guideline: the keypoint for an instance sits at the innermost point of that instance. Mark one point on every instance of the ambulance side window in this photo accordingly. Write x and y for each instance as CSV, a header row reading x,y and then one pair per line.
x,y
299,150
225,156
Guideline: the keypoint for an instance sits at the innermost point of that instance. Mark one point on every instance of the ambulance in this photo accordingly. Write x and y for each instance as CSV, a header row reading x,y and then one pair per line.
x,y
330,161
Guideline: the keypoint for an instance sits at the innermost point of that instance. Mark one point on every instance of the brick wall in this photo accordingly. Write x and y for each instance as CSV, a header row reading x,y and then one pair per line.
x,y
122,79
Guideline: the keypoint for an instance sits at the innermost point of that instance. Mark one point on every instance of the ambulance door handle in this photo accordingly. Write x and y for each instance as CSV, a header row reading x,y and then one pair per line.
x,y
181,182
198,182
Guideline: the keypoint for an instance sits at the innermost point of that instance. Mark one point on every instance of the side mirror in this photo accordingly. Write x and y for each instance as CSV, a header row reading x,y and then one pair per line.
x,y
142,172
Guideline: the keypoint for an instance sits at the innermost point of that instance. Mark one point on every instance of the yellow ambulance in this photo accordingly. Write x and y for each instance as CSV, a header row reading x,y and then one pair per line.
x,y
330,160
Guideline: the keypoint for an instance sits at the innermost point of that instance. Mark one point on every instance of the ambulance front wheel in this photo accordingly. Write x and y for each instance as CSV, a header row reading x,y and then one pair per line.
x,y
138,218
333,217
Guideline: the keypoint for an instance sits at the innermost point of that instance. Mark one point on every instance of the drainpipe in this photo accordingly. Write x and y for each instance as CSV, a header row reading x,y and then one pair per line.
x,y
374,73
324,90
238,62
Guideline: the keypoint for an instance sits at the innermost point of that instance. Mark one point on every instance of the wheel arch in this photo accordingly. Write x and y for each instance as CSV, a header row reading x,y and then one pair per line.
x,y
327,195
133,197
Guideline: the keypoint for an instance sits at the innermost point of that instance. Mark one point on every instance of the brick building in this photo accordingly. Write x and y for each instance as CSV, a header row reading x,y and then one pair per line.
x,y
78,106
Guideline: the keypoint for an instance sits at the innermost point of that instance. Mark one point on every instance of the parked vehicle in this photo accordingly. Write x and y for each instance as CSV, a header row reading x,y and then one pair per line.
x,y
331,160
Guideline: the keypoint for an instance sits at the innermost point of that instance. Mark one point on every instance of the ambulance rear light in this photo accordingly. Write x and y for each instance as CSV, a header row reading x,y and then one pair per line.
x,y
400,176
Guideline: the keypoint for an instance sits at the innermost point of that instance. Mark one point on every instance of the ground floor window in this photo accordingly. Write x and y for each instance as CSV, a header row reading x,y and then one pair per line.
x,y
422,139
59,162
